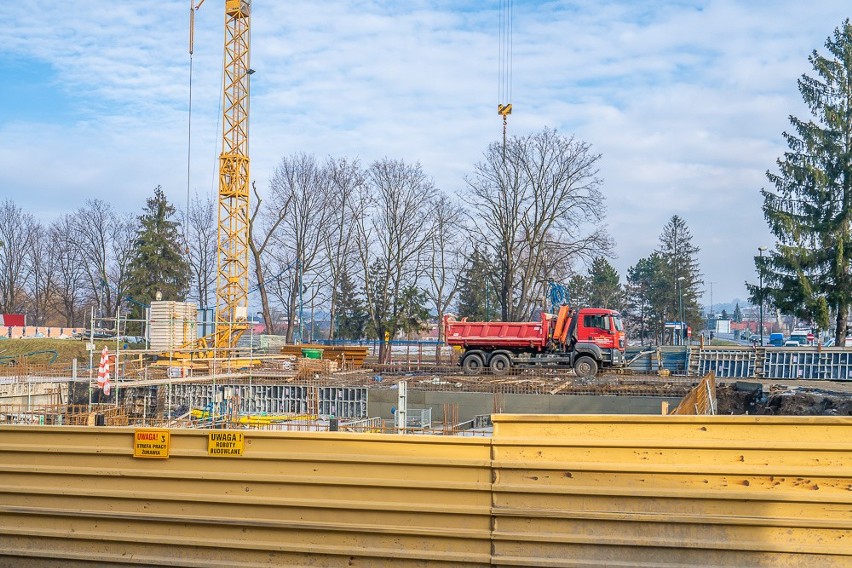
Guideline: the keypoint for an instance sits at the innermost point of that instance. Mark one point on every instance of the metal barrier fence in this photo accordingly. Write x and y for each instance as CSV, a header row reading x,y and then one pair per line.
x,y
672,491
558,491
73,496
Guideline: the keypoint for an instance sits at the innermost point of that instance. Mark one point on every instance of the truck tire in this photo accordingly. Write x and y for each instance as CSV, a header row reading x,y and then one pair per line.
x,y
585,367
472,364
500,364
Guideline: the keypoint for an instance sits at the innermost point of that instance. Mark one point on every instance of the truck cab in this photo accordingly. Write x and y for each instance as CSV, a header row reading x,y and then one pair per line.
x,y
601,327
598,341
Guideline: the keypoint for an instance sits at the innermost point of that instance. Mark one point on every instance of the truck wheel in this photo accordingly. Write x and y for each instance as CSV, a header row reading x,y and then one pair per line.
x,y
472,364
500,364
585,367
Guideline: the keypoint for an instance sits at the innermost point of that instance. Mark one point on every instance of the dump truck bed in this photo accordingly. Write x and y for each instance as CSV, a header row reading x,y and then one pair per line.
x,y
493,334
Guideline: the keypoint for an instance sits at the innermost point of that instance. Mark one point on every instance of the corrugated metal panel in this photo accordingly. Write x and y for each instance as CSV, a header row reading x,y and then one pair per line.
x,y
701,399
672,358
802,363
172,325
672,491
293,499
587,491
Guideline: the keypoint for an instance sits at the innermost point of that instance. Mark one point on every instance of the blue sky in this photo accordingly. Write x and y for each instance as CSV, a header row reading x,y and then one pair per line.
x,y
686,101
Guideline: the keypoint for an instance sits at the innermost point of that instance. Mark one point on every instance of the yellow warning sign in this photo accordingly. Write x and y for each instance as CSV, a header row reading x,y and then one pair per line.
x,y
226,444
151,443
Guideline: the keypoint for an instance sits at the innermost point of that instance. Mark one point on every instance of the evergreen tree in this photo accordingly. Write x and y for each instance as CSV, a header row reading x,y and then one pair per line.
x,y
724,315
604,285
682,273
350,317
578,289
159,262
810,210
738,314
646,298
381,312
413,313
478,300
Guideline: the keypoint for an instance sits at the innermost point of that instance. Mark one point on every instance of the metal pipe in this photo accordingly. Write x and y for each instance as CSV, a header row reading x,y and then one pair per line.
x,y
760,286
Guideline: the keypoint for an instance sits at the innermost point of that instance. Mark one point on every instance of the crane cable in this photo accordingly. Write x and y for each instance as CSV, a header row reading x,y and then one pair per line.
x,y
192,10
504,57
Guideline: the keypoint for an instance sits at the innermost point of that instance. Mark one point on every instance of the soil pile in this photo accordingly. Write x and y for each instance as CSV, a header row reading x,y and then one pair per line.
x,y
751,398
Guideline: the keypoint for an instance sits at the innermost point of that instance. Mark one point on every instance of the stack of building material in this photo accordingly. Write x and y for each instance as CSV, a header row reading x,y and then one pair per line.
x,y
346,356
173,325
308,368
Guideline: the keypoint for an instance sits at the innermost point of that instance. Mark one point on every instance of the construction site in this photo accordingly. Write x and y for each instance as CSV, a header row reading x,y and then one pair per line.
x,y
544,443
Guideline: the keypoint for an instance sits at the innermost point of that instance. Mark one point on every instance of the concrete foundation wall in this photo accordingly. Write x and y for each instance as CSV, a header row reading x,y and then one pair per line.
x,y
471,404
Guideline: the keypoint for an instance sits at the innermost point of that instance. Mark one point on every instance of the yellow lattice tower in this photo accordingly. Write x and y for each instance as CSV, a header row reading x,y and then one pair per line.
x,y
233,227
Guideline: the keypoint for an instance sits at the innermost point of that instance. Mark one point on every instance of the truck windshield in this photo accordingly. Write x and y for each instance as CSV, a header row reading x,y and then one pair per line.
x,y
616,323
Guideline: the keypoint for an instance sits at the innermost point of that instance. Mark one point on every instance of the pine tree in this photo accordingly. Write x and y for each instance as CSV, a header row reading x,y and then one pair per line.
x,y
578,289
351,317
159,262
413,313
810,209
738,314
477,296
604,285
646,298
682,271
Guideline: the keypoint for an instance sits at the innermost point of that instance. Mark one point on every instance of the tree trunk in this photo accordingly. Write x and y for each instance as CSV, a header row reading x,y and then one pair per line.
x,y
840,334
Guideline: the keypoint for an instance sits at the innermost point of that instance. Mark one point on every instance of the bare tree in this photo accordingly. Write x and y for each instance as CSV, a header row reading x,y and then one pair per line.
x,y
299,189
201,247
70,273
442,272
17,232
392,239
346,207
264,222
106,241
43,276
123,237
537,209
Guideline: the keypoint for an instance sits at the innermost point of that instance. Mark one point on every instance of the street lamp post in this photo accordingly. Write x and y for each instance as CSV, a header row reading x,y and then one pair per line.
x,y
760,288
680,280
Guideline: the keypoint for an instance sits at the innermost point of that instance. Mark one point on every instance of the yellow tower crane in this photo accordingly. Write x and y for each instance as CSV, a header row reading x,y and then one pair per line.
x,y
232,271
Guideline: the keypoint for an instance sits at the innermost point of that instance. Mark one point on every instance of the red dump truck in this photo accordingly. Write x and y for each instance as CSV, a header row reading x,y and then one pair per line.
x,y
585,340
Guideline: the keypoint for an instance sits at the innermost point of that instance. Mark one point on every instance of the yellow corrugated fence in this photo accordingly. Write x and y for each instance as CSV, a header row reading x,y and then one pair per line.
x,y
542,491
672,491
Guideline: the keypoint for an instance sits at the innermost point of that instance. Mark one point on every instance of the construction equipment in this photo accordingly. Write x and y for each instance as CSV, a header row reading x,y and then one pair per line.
x,y
584,340
232,277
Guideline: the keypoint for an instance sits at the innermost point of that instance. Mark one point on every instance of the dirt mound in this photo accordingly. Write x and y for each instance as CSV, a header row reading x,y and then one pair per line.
x,y
751,398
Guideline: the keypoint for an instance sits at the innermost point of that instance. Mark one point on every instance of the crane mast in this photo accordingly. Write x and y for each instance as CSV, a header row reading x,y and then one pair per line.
x,y
233,220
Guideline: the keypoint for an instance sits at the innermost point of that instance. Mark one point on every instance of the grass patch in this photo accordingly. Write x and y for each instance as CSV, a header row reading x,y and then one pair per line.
x,y
39,350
